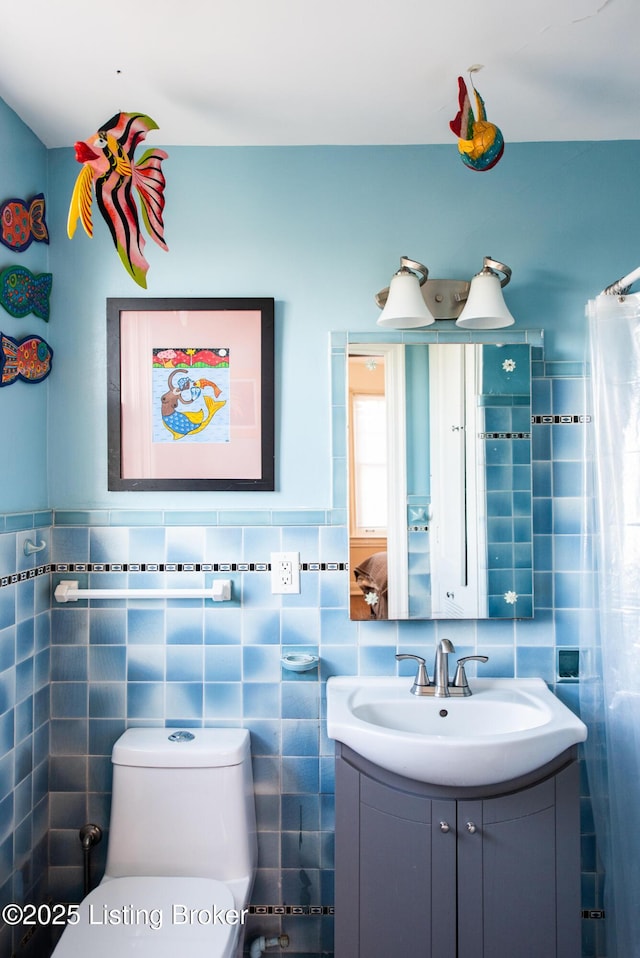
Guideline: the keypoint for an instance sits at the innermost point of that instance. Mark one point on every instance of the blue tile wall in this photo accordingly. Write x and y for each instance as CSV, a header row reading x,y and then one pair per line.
x,y
73,676
24,713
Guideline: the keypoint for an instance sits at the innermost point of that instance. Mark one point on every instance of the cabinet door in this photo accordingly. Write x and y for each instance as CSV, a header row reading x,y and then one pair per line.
x,y
507,875
395,871
407,874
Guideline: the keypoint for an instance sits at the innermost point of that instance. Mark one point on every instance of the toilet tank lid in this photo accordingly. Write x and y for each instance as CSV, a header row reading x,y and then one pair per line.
x,y
181,748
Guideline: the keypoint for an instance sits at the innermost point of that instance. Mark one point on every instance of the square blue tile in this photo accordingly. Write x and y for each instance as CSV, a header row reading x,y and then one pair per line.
x,y
108,626
261,663
185,544
567,478
260,627
300,626
300,700
68,699
184,700
103,733
108,545
147,545
299,737
185,663
261,700
184,626
145,663
300,775
222,626
222,663
535,662
107,700
145,626
107,663
223,544
145,700
224,700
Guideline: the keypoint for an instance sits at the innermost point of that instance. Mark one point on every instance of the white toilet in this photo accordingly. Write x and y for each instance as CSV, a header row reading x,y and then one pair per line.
x,y
182,850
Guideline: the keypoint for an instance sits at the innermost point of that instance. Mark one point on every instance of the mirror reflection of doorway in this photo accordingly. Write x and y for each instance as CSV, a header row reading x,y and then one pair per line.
x,y
367,487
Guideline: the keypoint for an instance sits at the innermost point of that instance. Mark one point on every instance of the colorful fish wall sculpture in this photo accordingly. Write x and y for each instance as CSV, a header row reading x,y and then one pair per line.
x,y
480,143
22,293
28,359
23,223
110,170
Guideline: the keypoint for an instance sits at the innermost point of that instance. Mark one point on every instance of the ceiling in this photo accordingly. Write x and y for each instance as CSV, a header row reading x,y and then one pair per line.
x,y
298,72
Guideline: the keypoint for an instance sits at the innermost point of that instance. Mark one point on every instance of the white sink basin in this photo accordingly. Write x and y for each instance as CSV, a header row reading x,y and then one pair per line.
x,y
506,728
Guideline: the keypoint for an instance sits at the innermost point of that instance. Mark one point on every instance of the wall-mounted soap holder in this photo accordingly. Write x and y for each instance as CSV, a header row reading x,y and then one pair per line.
x,y
299,661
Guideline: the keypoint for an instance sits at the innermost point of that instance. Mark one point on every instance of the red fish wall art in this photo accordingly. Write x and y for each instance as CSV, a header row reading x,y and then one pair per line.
x,y
110,171
27,359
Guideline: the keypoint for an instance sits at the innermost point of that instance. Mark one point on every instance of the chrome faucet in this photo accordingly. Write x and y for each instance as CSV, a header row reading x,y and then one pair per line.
x,y
441,686
441,667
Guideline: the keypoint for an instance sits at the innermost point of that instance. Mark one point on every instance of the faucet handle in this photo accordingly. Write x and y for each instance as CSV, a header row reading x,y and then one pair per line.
x,y
460,678
421,680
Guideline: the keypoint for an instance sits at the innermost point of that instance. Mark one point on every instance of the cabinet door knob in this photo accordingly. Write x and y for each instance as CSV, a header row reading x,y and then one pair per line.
x,y
445,827
471,828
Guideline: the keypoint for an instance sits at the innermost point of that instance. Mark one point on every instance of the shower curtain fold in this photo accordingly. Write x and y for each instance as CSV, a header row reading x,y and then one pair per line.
x,y
610,677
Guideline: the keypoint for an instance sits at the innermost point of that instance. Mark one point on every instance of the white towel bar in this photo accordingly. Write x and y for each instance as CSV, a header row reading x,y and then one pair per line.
x,y
68,591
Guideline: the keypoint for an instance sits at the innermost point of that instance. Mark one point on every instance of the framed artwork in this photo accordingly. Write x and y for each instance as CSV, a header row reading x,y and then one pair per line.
x,y
190,394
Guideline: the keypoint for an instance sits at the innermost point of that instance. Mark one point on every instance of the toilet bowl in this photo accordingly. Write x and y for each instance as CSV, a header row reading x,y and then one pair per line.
x,y
153,917
182,850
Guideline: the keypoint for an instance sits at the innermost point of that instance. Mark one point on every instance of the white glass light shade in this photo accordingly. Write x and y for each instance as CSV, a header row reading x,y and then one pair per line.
x,y
405,307
485,307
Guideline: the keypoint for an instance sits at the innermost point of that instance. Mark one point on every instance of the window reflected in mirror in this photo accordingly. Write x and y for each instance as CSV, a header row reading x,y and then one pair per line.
x,y
367,487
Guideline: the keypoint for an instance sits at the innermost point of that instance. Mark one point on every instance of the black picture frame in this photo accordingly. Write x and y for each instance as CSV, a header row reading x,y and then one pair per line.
x,y
133,326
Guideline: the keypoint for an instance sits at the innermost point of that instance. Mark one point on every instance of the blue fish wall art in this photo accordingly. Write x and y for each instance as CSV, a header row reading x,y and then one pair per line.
x,y
22,292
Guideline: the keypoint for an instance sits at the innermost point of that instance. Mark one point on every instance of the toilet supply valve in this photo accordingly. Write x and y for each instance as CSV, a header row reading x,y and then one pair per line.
x,y
90,835
259,945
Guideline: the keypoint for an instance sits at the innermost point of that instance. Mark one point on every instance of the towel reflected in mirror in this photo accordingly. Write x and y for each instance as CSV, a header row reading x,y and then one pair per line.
x,y
371,578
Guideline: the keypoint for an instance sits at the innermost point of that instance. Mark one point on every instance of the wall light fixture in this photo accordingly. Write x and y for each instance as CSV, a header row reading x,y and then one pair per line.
x,y
413,300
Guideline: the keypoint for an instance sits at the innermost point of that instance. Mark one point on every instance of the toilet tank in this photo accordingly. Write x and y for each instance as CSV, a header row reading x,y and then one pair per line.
x,y
182,804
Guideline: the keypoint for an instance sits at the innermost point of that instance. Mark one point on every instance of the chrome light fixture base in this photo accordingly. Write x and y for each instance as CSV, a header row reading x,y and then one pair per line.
x,y
447,299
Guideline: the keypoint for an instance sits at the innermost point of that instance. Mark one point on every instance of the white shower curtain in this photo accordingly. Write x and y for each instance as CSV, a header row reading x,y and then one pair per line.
x,y
610,679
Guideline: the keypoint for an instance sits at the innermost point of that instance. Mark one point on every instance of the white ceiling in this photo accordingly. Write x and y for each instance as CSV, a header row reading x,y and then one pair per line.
x,y
295,72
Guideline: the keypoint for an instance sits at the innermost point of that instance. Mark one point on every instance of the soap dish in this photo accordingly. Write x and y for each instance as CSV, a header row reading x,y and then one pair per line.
x,y
299,661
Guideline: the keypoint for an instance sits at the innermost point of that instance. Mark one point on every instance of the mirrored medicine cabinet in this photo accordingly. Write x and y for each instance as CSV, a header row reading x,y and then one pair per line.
x,y
433,431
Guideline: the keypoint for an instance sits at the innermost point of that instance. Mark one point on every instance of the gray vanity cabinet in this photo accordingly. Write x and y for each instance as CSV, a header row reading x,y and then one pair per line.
x,y
422,872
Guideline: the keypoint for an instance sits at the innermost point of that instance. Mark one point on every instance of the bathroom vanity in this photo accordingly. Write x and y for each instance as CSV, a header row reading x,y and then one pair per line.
x,y
433,871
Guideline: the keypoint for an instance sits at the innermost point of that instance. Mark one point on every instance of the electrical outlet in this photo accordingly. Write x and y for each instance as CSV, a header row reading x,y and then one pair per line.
x,y
285,572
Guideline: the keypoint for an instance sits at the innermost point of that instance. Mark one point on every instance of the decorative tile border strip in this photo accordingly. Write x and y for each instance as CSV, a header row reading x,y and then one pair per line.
x,y
504,435
188,567
311,910
25,575
93,567
560,420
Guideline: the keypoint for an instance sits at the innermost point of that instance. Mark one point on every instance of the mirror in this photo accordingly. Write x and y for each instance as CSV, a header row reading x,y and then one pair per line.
x,y
439,479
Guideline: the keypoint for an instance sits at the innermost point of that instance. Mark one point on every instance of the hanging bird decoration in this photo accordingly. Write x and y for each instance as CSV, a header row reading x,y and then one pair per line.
x,y
109,170
480,142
